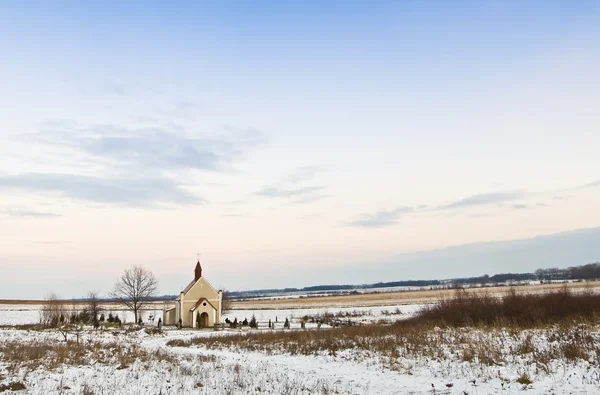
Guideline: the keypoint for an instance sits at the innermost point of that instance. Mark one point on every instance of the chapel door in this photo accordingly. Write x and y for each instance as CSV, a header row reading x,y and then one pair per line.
x,y
203,320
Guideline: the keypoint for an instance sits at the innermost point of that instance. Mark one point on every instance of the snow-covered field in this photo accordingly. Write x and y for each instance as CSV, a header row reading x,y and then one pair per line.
x,y
139,361
26,314
15,314
162,369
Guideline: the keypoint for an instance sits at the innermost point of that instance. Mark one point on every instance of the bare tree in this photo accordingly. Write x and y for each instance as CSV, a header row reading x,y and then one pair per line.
x,y
52,313
94,308
135,288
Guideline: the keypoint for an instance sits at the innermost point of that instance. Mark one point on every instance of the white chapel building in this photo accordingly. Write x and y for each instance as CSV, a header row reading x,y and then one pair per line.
x,y
197,306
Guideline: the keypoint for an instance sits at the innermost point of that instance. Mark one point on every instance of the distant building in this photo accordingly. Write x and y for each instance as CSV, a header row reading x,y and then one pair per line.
x,y
198,305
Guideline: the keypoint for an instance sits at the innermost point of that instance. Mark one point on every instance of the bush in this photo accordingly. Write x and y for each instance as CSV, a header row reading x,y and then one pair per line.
x,y
253,323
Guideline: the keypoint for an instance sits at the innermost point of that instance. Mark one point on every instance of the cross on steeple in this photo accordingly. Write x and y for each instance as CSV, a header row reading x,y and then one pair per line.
x,y
198,257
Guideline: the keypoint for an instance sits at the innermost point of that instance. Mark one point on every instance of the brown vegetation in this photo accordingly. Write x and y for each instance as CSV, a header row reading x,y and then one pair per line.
x,y
472,327
522,310
14,386
52,355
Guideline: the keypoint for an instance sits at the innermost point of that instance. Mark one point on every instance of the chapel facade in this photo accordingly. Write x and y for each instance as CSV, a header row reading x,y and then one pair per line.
x,y
197,306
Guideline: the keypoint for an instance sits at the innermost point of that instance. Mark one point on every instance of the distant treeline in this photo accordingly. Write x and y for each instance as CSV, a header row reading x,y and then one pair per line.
x,y
496,278
583,272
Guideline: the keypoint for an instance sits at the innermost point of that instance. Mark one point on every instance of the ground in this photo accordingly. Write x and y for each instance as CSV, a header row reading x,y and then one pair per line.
x,y
197,370
130,360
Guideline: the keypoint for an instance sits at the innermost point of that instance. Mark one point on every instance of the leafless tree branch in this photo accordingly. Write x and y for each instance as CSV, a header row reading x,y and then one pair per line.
x,y
135,288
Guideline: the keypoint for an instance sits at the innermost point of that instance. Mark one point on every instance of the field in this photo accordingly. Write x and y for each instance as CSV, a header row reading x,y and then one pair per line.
x,y
540,340
398,298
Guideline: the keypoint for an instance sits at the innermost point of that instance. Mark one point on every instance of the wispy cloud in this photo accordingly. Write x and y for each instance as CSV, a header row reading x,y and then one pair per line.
x,y
593,184
310,199
381,219
484,199
285,192
151,147
28,213
133,166
298,186
119,191
302,174
385,218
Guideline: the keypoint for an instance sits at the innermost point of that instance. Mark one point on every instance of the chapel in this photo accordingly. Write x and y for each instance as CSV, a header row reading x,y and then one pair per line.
x,y
197,306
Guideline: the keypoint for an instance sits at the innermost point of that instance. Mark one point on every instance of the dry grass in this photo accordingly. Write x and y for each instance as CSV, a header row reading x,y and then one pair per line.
x,y
395,343
512,309
474,328
524,379
14,386
51,354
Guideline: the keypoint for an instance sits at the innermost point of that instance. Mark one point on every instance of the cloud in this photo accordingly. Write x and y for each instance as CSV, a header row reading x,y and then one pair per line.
x,y
133,166
157,148
483,199
296,186
282,192
593,184
381,219
310,199
385,218
302,174
117,191
27,213
238,202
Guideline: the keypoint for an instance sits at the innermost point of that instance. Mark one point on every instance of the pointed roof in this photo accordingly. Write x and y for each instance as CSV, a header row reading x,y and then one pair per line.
x,y
189,286
197,277
197,271
201,300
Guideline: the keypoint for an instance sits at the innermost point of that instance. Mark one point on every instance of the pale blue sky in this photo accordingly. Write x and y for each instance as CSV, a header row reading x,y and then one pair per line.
x,y
290,143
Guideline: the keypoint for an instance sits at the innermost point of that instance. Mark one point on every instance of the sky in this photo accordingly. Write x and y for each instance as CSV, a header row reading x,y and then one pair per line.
x,y
293,143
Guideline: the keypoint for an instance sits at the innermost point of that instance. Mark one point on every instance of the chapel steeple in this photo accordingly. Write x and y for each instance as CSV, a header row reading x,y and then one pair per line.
x,y
197,271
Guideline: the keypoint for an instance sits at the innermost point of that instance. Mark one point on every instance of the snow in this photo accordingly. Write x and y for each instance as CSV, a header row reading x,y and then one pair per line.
x,y
236,372
26,314
11,314
199,370
355,314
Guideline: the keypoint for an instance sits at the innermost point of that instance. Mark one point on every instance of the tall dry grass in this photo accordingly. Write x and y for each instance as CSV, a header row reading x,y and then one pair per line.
x,y
513,309
51,354
473,327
